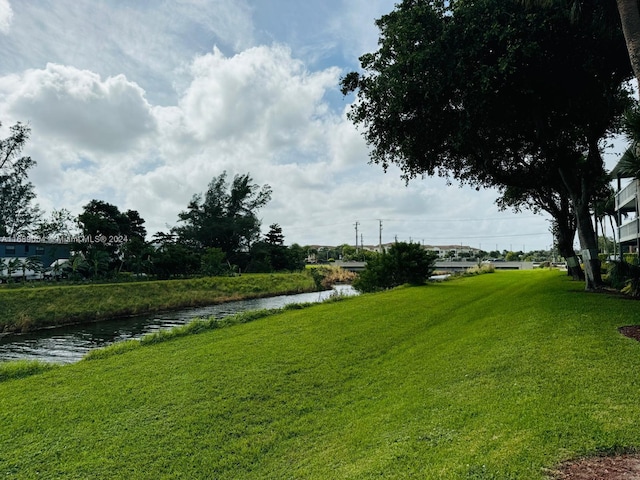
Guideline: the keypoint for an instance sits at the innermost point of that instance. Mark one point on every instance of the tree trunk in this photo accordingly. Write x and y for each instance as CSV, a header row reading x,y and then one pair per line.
x,y
565,235
589,245
581,185
630,19
564,232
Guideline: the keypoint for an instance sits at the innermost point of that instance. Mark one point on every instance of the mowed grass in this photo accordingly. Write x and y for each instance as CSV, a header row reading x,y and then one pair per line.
x,y
498,376
34,306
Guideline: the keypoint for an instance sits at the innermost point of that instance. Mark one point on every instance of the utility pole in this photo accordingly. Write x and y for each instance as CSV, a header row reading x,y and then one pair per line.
x,y
356,225
380,236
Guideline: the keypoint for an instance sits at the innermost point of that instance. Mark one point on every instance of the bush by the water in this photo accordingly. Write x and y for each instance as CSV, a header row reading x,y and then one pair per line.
x,y
403,263
327,276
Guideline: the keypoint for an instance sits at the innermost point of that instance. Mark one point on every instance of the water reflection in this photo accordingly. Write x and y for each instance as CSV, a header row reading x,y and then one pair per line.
x,y
70,344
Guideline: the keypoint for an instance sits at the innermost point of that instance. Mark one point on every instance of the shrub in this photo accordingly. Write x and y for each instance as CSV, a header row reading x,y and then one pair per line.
x,y
403,263
480,269
326,277
625,277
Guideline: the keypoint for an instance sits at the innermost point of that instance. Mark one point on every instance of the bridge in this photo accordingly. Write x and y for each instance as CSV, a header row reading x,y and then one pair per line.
x,y
447,265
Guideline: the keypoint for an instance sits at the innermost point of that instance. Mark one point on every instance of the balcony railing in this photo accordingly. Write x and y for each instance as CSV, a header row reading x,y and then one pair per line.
x,y
626,197
629,231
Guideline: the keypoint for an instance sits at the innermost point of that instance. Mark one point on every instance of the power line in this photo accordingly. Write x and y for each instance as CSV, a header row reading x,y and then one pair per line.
x,y
427,220
491,236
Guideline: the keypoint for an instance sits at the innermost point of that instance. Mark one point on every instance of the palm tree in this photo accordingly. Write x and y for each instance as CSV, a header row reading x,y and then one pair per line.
x,y
76,264
98,261
34,264
605,206
3,266
13,266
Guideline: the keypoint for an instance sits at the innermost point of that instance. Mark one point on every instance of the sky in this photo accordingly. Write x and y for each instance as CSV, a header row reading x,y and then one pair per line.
x,y
141,103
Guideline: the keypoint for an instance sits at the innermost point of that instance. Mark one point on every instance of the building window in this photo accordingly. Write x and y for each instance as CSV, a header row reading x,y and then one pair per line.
x,y
39,250
26,248
10,249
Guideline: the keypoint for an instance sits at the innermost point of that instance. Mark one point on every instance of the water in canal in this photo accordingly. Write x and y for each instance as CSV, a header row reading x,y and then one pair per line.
x,y
70,344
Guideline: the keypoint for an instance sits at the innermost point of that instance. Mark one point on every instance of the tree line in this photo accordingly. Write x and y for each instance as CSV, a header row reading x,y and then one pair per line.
x,y
218,233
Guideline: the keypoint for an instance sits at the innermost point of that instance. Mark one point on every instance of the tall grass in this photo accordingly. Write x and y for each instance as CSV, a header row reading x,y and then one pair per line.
x,y
498,376
30,308
22,368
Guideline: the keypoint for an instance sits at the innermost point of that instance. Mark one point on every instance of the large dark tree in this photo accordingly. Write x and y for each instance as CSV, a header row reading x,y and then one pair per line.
x,y
493,94
110,238
17,212
225,218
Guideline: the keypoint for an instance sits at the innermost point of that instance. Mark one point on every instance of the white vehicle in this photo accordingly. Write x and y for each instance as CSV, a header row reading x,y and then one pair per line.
x,y
57,268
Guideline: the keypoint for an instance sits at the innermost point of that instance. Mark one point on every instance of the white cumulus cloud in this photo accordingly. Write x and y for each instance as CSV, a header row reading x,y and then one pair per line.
x,y
79,107
6,16
261,93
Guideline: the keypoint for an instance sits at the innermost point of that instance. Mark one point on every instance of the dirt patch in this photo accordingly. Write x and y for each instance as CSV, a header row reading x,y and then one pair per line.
x,y
631,331
621,467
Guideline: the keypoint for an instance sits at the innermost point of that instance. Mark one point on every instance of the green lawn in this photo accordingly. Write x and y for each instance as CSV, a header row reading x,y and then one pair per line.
x,y
492,377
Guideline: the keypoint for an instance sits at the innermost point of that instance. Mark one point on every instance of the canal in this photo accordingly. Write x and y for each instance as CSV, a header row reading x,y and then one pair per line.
x,y
69,344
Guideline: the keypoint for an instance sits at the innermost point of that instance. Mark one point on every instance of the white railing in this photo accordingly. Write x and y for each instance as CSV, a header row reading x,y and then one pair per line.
x,y
627,195
629,231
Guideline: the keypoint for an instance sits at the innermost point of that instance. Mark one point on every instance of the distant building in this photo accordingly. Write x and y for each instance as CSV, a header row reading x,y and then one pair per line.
x,y
453,251
627,208
441,251
22,248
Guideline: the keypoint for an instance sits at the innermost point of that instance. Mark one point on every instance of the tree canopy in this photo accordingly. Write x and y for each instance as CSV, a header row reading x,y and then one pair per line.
x,y
491,94
225,217
17,211
109,236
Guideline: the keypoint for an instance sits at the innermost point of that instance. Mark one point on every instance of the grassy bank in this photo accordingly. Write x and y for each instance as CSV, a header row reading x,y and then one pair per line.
x,y
33,307
491,377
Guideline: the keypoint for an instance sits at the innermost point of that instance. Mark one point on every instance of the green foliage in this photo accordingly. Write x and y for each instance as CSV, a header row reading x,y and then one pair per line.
x,y
513,256
110,238
225,218
274,236
271,255
213,262
631,258
625,277
18,214
175,260
425,77
403,263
